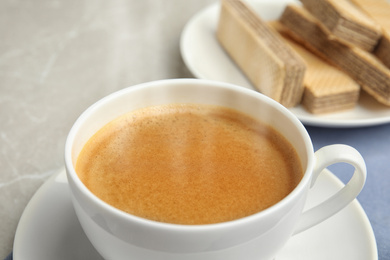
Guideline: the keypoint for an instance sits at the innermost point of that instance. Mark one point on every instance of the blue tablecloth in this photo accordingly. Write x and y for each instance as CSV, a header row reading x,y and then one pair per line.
x,y
374,144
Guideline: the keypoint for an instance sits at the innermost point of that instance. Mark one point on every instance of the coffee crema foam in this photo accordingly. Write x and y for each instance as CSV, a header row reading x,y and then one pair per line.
x,y
189,164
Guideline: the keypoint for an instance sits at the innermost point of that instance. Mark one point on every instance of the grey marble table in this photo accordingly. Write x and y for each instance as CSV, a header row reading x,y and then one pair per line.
x,y
58,57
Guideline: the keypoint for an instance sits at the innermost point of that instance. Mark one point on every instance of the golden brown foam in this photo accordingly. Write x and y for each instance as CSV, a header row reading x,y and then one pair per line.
x,y
189,164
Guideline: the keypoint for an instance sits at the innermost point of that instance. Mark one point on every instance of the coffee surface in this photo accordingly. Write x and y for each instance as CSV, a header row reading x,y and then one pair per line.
x,y
189,164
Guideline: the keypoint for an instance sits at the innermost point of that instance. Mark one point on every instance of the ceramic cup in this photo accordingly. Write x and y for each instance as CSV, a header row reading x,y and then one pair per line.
x,y
118,235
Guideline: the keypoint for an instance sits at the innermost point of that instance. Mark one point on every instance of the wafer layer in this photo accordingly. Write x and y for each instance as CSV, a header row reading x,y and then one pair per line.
x,y
327,89
383,49
379,11
363,67
345,22
272,67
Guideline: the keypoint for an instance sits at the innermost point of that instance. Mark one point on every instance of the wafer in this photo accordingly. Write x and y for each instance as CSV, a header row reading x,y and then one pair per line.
x,y
327,89
345,22
272,66
379,11
367,70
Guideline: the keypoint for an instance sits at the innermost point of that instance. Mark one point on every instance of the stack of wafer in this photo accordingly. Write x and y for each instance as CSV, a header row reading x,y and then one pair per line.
x,y
269,63
362,66
327,89
345,22
379,11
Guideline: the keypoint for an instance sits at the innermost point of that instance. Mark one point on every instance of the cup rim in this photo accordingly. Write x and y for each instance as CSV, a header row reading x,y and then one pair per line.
x,y
71,173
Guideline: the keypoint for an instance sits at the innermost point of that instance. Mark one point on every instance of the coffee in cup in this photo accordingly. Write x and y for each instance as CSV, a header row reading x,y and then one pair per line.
x,y
117,234
189,164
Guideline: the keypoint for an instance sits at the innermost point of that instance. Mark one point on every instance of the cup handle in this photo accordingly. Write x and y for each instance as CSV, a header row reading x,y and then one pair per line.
x,y
326,156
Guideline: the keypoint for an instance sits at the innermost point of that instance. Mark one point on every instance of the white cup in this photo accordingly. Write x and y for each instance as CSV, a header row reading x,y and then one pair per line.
x,y
118,235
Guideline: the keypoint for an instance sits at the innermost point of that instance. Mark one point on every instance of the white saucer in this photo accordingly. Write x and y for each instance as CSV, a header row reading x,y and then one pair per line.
x,y
49,229
206,59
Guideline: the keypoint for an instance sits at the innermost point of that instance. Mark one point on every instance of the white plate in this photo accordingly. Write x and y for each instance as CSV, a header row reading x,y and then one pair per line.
x,y
206,59
49,229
